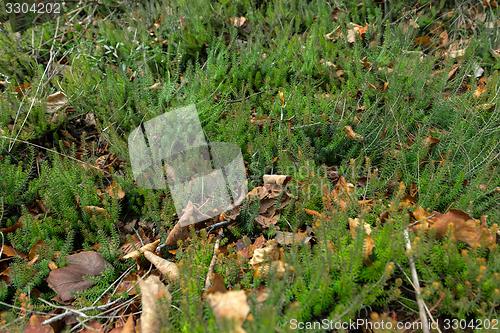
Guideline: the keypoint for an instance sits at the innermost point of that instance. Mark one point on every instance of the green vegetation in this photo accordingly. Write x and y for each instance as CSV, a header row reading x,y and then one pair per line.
x,y
408,83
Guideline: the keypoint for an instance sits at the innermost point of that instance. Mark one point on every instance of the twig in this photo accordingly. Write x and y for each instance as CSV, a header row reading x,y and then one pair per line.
x,y
70,311
214,259
416,222
416,285
244,99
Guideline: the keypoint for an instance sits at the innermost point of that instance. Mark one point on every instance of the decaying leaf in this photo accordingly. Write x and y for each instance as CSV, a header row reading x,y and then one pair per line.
x,y
166,267
69,279
35,325
97,210
274,188
152,289
349,132
369,244
287,238
55,102
464,228
156,86
230,310
139,252
268,258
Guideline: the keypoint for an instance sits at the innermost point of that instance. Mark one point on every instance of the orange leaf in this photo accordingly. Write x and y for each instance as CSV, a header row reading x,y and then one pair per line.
x,y
423,41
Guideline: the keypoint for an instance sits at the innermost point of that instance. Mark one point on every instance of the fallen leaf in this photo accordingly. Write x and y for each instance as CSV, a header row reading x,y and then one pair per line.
x,y
265,222
93,327
356,30
269,253
238,22
69,279
230,310
34,325
55,102
349,132
156,86
167,268
464,228
287,238
139,252
369,244
9,251
424,41
152,289
96,210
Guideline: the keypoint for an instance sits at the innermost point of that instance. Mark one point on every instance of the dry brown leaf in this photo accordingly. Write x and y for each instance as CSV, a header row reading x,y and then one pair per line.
x,y
238,22
70,278
55,102
191,214
139,252
349,132
287,238
9,251
465,229
356,30
152,289
369,244
167,268
265,222
115,190
93,327
267,254
97,210
230,310
276,179
35,325
424,41
156,86
277,266
335,34
36,249
178,233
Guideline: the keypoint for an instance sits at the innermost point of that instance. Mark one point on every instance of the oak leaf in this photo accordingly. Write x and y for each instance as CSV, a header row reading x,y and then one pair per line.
x,y
69,279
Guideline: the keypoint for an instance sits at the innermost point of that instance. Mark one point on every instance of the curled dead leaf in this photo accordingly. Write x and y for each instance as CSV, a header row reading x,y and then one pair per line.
x,y
152,289
349,132
230,310
167,268
139,252
369,244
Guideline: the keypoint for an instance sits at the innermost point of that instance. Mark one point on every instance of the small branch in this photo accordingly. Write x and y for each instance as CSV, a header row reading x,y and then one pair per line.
x,y
244,99
70,311
416,286
422,220
214,259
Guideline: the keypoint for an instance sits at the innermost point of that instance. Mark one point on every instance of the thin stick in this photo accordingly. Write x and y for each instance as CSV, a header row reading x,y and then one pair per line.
x,y
70,312
214,259
244,99
416,285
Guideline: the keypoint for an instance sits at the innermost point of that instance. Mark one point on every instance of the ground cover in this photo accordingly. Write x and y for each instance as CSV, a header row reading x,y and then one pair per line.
x,y
369,134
